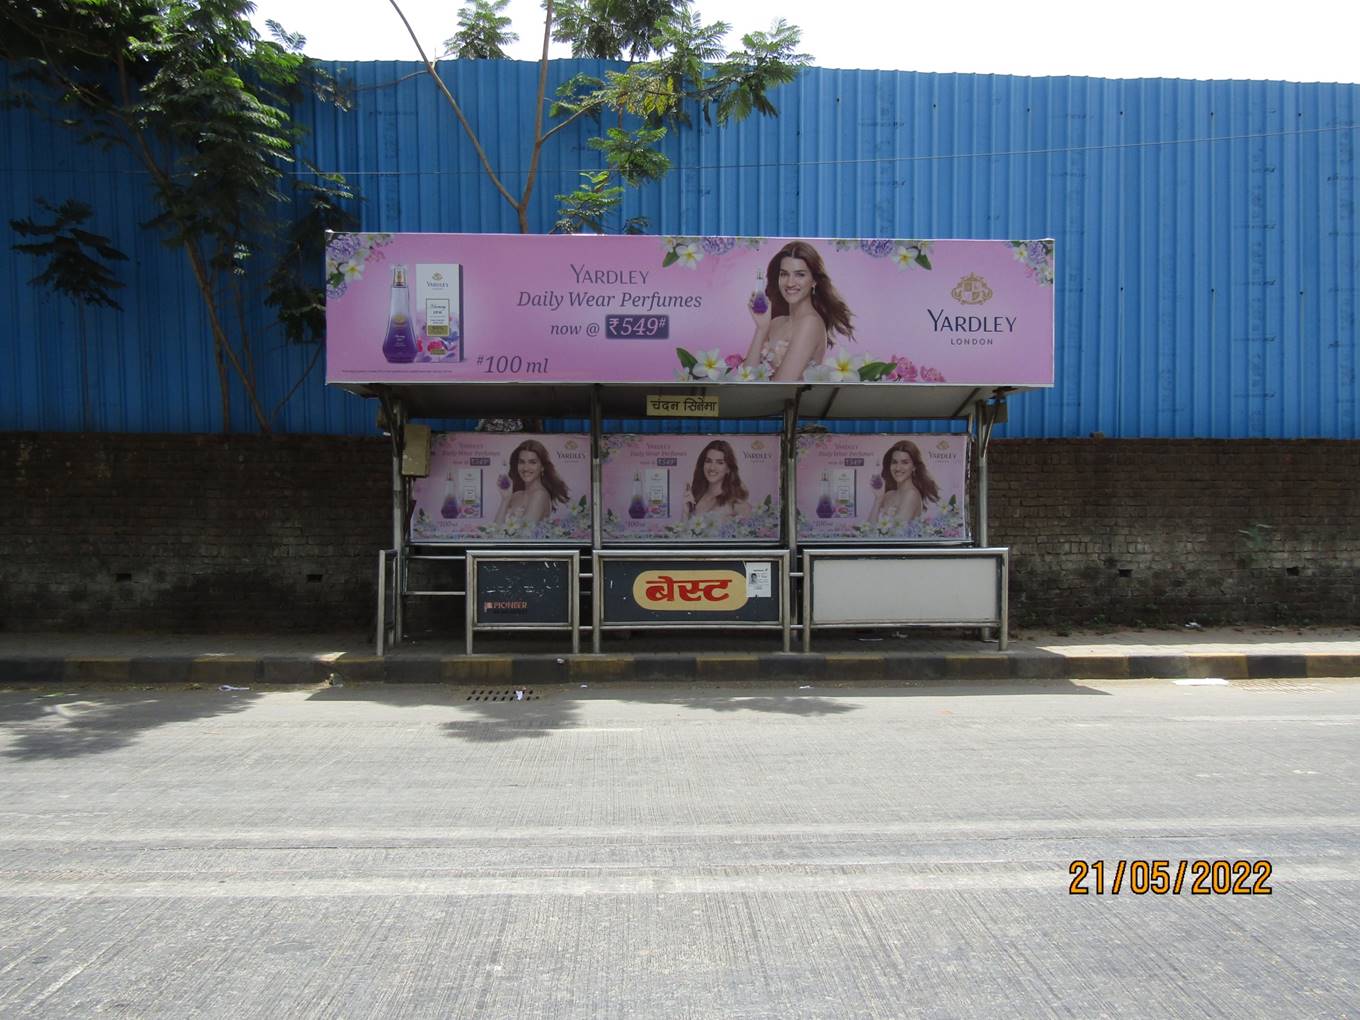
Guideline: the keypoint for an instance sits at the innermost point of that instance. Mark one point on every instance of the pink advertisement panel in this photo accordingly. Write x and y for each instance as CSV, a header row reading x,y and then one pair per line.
x,y
405,308
881,488
504,487
685,488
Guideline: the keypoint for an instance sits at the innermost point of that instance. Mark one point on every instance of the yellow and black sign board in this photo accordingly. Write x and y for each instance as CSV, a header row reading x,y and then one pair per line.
x,y
663,406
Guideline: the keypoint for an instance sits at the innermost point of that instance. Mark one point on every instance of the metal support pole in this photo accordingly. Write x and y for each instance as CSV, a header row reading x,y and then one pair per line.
x,y
788,494
981,415
397,424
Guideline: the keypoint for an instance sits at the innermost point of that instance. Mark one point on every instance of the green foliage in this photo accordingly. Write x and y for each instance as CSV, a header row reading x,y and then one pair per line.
x,y
688,72
613,29
76,258
483,31
676,67
201,101
586,207
632,155
295,289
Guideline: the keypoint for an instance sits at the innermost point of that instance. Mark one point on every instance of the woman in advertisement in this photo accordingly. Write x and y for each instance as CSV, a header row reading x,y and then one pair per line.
x,y
797,315
716,488
534,485
907,485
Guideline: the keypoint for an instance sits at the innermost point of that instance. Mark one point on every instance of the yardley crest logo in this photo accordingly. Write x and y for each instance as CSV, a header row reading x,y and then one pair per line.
x,y
972,290
943,444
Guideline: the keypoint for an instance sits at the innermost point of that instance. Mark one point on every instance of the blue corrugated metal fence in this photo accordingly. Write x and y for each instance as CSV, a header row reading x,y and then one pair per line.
x,y
1206,234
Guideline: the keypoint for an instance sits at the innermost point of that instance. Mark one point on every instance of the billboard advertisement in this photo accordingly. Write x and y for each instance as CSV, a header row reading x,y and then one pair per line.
x,y
408,308
659,488
881,488
504,487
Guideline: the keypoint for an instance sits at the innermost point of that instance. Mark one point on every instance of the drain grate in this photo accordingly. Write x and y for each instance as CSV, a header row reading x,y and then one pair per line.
x,y
503,694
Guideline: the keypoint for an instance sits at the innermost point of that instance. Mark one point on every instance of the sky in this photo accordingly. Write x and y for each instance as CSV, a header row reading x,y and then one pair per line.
x,y
1301,40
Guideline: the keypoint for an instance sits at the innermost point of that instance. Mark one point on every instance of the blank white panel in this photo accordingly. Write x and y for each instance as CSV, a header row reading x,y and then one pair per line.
x,y
955,589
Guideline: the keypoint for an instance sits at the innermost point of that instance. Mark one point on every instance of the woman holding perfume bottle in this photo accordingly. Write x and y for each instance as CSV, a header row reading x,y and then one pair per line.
x,y
534,485
797,314
716,488
907,485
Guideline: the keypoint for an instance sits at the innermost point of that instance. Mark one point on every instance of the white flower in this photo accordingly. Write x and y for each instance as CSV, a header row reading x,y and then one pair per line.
x,y
353,269
710,365
863,359
842,366
688,255
905,255
746,374
817,374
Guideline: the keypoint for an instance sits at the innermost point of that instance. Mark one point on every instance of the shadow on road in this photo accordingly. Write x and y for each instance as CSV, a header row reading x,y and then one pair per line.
x,y
94,720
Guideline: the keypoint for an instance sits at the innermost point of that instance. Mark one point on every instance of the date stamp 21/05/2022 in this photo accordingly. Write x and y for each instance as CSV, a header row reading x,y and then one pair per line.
x,y
1158,877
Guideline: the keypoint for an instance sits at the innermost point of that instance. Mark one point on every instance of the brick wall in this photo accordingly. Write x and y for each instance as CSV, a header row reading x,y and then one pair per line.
x,y
182,533
221,533
1170,531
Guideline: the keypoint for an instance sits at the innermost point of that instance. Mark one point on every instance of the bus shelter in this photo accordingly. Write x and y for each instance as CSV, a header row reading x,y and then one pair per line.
x,y
591,526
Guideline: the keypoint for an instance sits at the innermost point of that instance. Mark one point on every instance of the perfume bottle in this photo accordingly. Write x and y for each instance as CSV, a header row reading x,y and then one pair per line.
x,y
824,508
760,304
450,507
399,344
637,509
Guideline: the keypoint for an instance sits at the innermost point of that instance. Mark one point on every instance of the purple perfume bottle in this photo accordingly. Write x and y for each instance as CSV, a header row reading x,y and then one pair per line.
x,y
450,508
759,303
399,343
824,508
637,507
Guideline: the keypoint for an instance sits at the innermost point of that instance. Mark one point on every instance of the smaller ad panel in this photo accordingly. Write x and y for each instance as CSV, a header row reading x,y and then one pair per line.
x,y
686,592
881,488
668,488
523,591
504,487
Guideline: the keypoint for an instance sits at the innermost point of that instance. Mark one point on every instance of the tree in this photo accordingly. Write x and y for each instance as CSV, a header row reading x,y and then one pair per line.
x,y
483,32
677,65
200,100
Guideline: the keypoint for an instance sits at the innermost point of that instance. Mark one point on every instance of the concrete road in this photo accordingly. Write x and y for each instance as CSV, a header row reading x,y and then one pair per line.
x,y
629,851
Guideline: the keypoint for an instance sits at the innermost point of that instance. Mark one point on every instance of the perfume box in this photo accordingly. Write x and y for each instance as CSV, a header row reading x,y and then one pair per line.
x,y
438,310
843,492
656,491
470,492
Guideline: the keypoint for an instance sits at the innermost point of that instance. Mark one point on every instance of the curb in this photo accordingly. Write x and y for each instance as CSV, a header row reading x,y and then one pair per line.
x,y
464,670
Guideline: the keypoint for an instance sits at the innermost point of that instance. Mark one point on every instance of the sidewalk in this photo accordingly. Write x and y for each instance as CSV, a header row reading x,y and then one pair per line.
x,y
868,657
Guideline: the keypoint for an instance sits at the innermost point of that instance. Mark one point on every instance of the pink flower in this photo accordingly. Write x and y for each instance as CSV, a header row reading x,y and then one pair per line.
x,y
931,375
903,370
733,361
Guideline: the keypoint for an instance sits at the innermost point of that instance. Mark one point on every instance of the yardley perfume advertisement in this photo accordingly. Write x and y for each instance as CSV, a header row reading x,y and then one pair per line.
x,y
504,487
690,488
577,308
887,488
